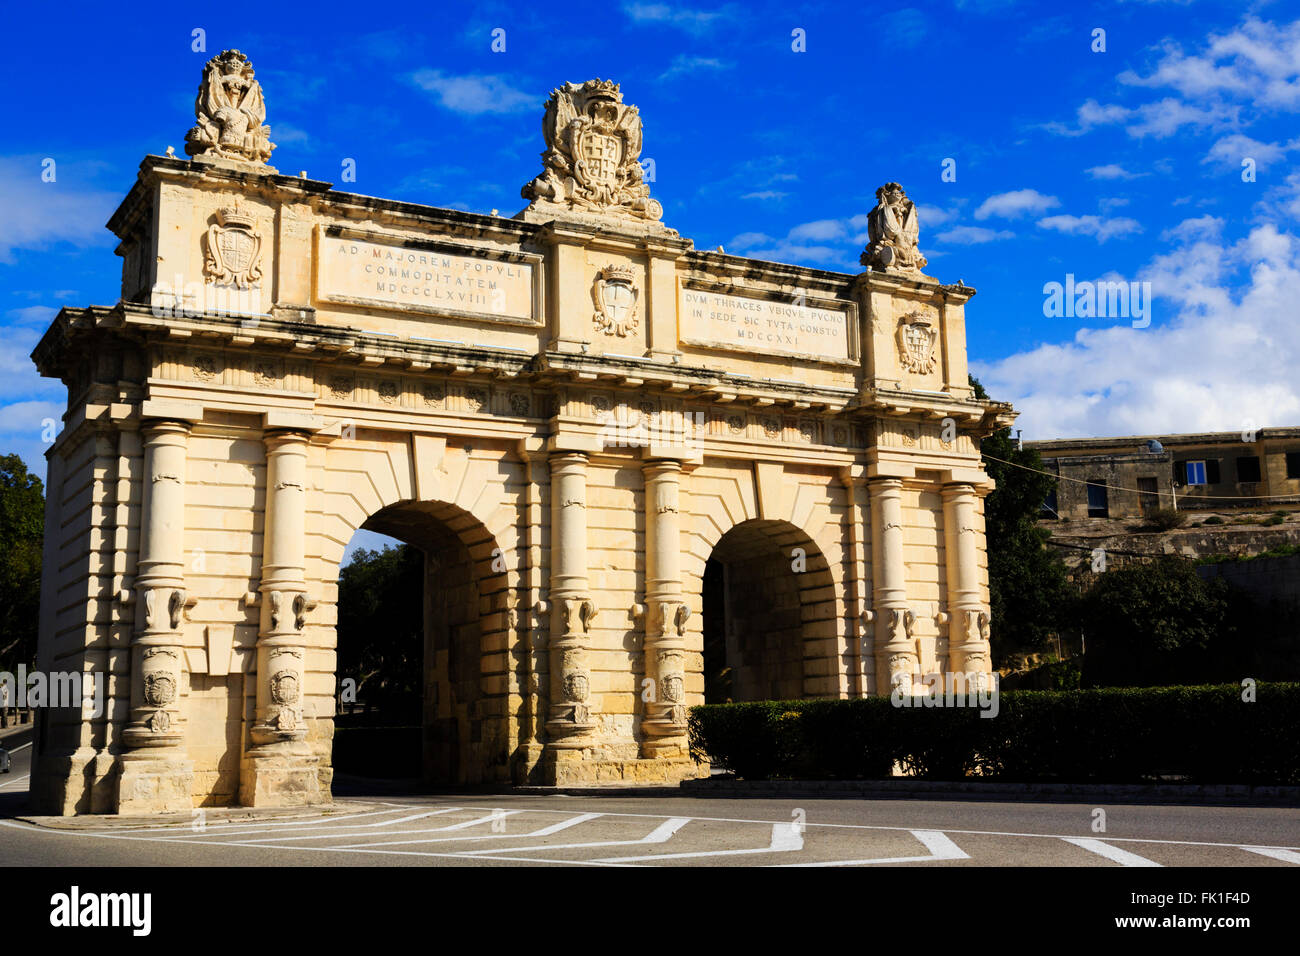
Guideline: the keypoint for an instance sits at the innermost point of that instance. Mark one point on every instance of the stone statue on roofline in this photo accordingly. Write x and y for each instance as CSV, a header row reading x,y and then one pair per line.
x,y
892,231
593,148
231,113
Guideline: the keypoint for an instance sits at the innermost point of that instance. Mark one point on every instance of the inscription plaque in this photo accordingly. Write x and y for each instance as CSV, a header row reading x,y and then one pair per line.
x,y
394,275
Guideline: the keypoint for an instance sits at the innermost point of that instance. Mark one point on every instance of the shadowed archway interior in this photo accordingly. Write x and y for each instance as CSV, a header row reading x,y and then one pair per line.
x,y
457,705
769,613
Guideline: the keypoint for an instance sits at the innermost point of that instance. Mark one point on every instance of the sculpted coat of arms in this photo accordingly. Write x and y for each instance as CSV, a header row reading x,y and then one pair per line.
x,y
616,298
233,249
593,146
916,340
892,231
230,111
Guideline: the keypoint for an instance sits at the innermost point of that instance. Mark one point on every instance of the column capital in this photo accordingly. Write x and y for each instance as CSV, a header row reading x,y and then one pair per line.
x,y
156,430
279,437
661,467
569,459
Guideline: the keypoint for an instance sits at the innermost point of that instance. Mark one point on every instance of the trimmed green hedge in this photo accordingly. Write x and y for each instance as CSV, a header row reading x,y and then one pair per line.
x,y
1109,735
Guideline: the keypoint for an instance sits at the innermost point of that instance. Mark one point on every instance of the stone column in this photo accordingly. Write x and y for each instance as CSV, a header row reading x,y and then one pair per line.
x,y
664,721
572,609
968,618
155,774
895,648
861,631
279,769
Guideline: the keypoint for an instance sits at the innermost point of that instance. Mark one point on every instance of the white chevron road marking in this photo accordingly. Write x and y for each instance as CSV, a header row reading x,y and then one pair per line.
x,y
1113,853
940,847
660,834
1287,856
786,838
544,831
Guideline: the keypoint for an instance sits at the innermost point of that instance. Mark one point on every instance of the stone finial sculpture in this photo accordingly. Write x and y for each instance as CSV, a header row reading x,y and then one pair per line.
x,y
593,144
892,232
231,112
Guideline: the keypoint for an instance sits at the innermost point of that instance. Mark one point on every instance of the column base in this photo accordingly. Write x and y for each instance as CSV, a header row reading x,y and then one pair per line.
x,y
149,783
281,780
84,781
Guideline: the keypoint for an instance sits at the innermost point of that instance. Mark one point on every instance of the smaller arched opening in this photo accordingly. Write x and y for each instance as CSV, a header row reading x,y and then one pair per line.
x,y
769,615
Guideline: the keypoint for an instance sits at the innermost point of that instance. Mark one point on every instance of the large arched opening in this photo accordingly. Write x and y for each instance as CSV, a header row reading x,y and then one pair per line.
x,y
423,648
770,624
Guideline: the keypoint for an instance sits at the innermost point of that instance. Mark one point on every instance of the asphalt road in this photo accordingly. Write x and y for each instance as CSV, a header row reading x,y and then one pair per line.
x,y
631,830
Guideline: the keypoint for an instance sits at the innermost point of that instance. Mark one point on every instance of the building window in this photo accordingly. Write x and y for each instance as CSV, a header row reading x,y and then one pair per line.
x,y
1293,464
1248,468
1048,509
1098,500
1195,472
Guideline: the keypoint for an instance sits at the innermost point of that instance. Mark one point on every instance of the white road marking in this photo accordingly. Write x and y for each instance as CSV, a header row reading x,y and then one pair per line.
x,y
544,831
14,750
1115,854
786,838
1285,854
1288,856
251,826
940,847
345,831
660,834
9,783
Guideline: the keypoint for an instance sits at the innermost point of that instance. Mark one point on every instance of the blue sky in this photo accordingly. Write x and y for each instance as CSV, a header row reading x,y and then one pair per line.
x,y
1123,164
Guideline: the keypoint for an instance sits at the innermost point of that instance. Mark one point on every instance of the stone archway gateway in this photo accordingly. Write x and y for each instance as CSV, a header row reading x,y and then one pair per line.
x,y
580,400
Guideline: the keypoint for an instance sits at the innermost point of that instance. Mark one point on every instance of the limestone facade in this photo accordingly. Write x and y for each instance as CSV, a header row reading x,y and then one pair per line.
x,y
574,413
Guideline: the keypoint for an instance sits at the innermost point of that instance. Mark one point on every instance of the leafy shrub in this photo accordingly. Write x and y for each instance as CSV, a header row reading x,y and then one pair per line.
x,y
1167,519
1213,519
1205,734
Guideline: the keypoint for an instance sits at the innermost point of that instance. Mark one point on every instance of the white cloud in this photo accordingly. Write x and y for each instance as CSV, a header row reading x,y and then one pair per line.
x,y
929,216
474,94
684,65
1226,355
1160,119
1101,229
906,27
1257,60
1229,151
37,315
683,18
973,235
1112,171
1017,203
37,214
827,243
766,194
819,231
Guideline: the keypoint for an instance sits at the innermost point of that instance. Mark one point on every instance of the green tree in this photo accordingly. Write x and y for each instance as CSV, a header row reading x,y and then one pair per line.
x,y
381,629
1027,587
1151,623
22,530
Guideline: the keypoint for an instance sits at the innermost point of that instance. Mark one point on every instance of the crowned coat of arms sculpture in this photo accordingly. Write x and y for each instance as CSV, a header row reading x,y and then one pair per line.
x,y
593,147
